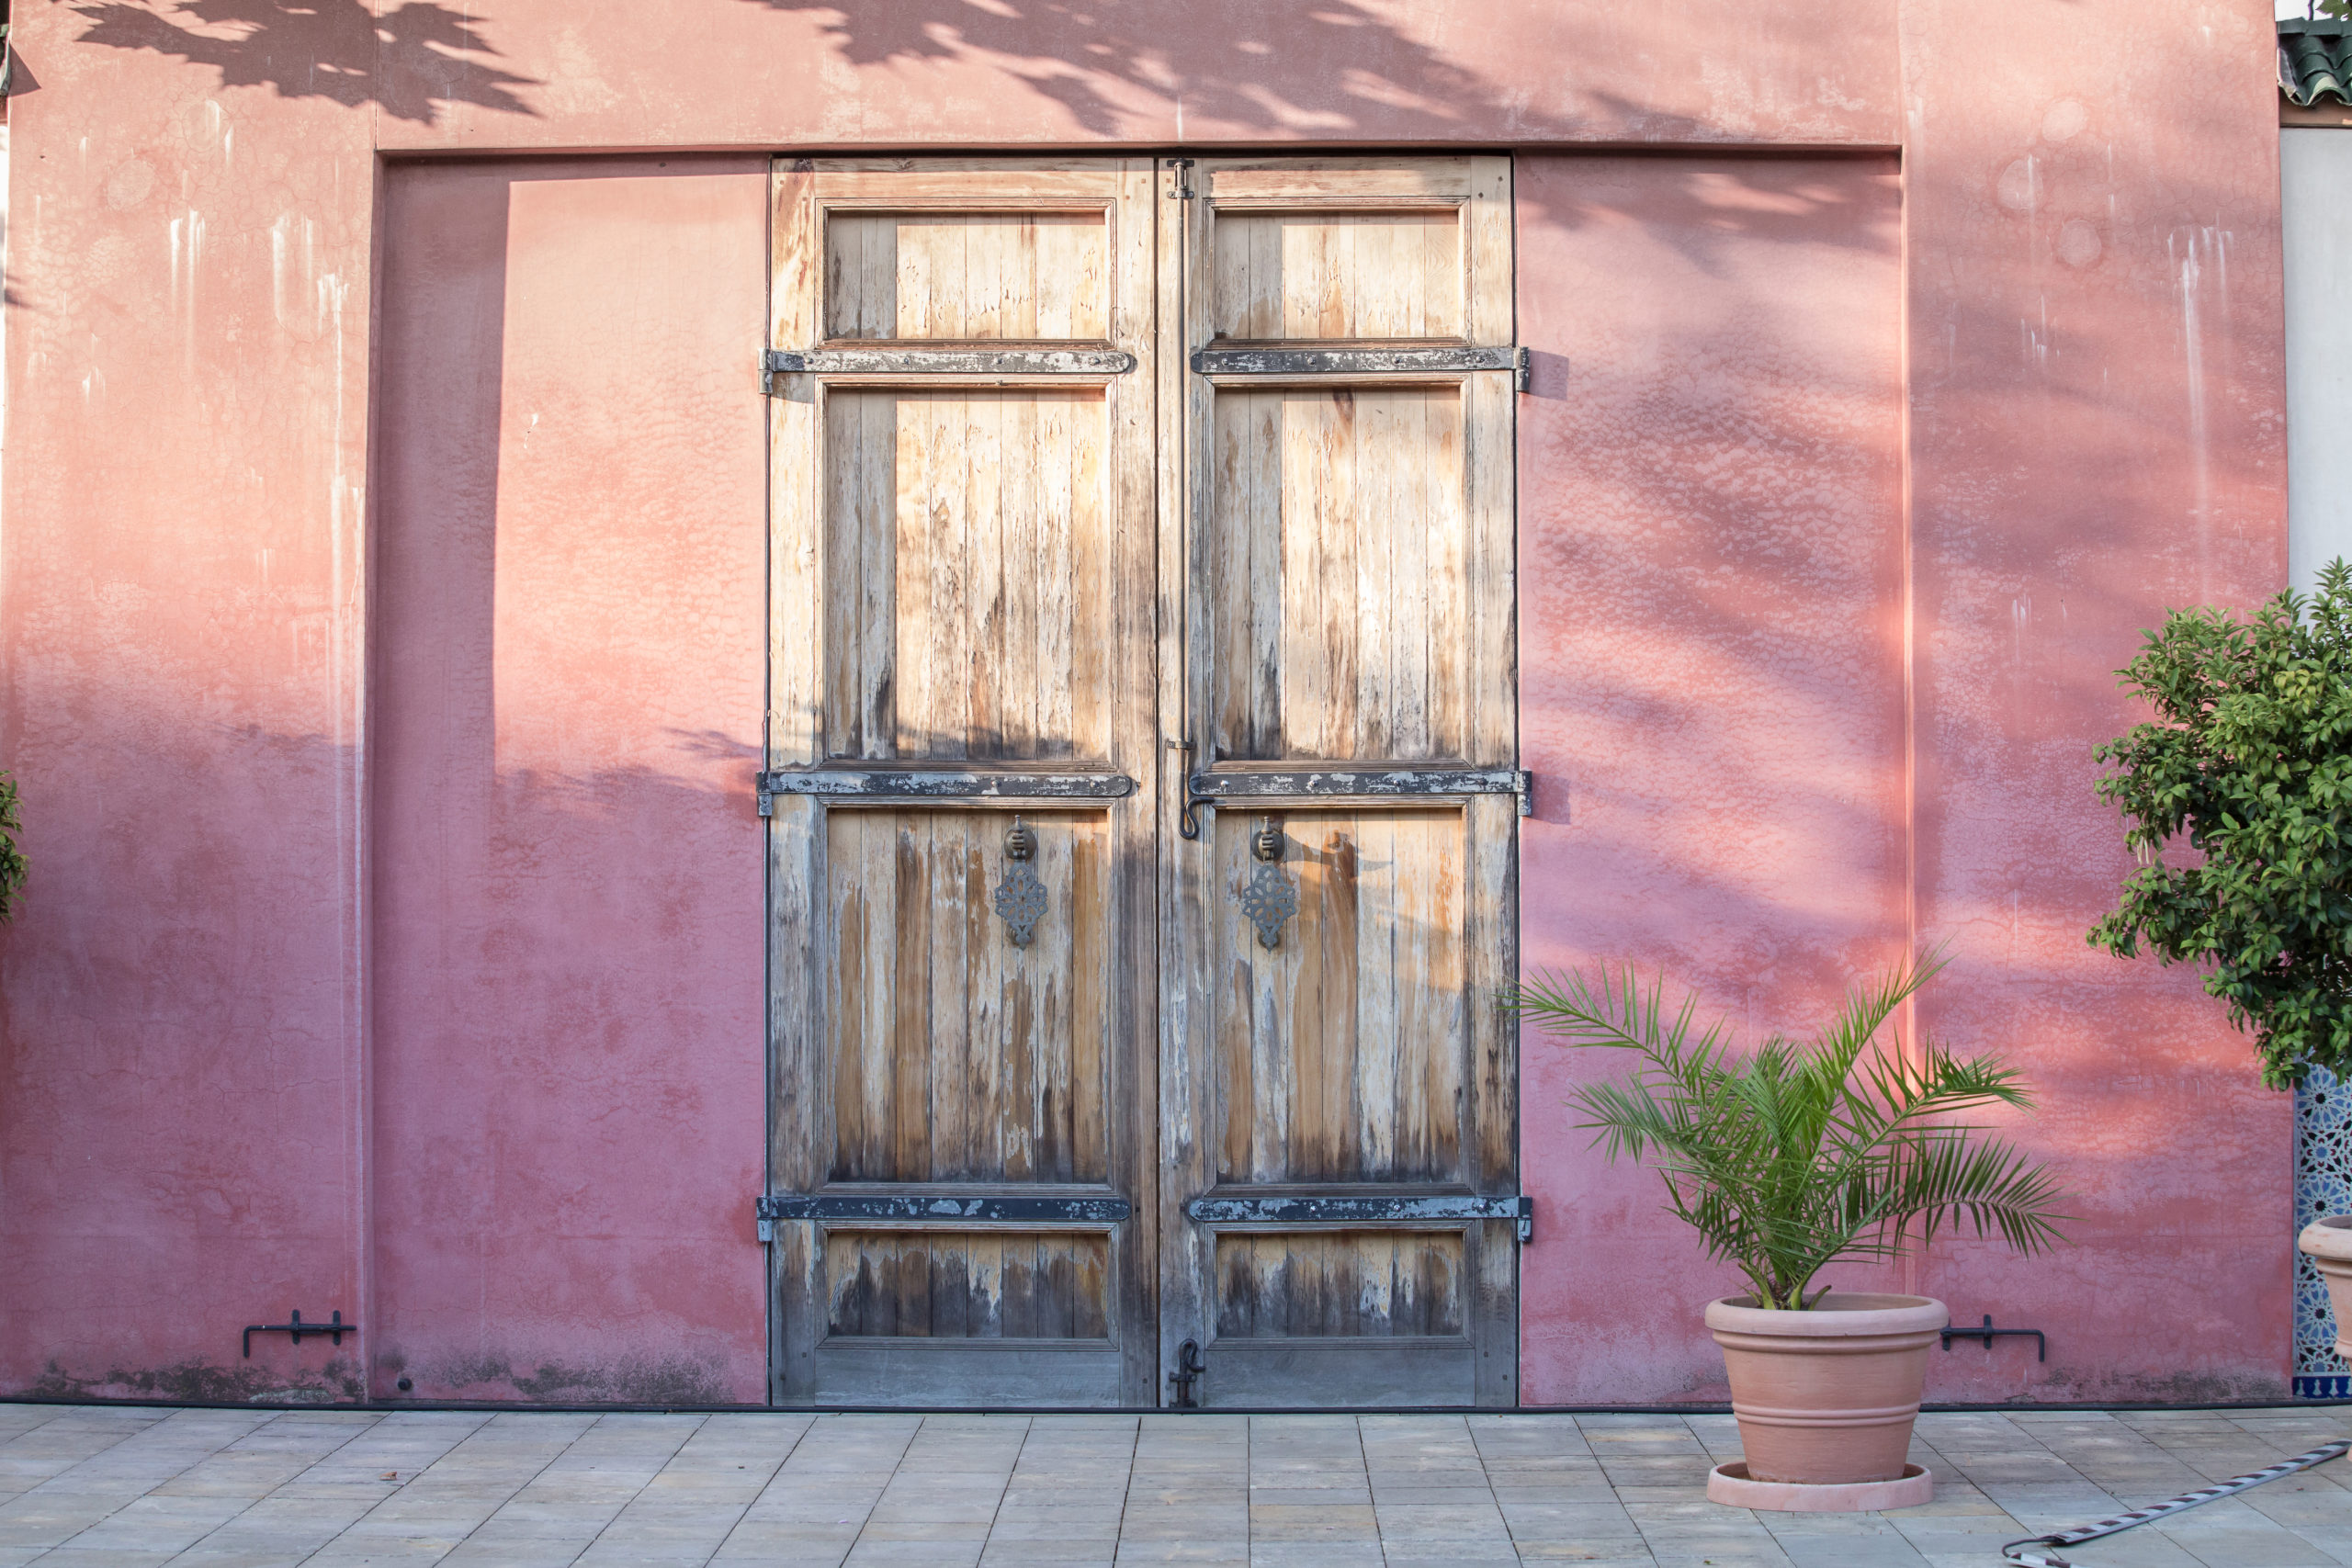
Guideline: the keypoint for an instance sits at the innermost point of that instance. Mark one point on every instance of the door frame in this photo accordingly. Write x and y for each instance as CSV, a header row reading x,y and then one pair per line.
x,y
1178,1109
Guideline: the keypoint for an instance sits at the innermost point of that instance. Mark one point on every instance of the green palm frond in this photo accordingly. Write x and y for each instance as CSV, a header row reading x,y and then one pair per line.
x,y
1797,1154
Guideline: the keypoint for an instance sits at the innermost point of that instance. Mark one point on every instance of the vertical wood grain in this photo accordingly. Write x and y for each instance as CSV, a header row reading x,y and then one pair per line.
x,y
957,1055
974,567
967,276
1355,593
1341,528
970,591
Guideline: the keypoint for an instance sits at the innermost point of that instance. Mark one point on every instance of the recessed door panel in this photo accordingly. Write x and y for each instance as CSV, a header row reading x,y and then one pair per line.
x,y
1342,1047
1340,1284
1337,274
1341,562
960,1054
967,588
1019,275
967,1284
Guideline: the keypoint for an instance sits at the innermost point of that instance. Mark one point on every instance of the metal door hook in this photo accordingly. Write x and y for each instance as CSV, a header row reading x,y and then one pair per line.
x,y
1189,1370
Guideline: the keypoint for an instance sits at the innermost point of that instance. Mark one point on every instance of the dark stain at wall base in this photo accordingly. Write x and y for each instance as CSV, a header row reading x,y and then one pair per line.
x,y
632,1380
201,1382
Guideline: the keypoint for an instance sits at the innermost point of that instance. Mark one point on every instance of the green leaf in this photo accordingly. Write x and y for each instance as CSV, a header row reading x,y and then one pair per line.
x,y
2248,759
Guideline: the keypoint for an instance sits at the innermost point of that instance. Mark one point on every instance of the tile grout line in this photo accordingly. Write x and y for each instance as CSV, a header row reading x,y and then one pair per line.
x,y
1119,1532
632,1497
786,1458
1379,1536
1027,1427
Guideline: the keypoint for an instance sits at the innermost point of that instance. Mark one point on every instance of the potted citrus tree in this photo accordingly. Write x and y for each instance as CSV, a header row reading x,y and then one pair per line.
x,y
2245,765
1785,1159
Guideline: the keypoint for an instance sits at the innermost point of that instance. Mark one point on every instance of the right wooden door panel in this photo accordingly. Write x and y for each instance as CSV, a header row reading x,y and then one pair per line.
x,y
1338,1084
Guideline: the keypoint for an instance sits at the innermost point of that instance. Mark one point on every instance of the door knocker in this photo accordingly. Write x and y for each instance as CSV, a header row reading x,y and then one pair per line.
x,y
1021,897
1271,898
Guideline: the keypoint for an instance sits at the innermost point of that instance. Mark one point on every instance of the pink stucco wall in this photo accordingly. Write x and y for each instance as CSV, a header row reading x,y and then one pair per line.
x,y
567,864
378,557
1711,582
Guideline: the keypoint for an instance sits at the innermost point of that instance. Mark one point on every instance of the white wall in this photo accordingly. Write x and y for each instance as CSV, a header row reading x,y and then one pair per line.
x,y
2316,169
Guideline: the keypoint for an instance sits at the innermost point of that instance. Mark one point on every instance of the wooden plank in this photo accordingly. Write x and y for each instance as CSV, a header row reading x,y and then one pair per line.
x,y
1129,720
1487,251
1085,1156
1187,1107
995,1374
1395,909
1375,178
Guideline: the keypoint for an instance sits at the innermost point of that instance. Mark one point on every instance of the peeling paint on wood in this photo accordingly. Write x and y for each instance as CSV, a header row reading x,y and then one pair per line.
x,y
1351,361
1358,1283
979,1285
848,783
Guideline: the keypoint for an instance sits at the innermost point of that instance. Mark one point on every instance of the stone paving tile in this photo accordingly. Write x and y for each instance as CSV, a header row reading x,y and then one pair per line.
x,y
92,1486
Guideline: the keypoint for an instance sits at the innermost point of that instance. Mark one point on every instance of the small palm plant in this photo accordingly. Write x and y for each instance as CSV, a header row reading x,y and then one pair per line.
x,y
1797,1155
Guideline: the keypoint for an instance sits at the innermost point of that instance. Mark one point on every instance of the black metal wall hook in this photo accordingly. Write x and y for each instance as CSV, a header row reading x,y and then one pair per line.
x,y
1988,1333
334,1328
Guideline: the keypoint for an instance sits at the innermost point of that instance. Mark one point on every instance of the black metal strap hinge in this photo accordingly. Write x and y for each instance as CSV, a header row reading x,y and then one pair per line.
x,y
900,359
1368,1210
1401,360
928,783
927,1209
1210,787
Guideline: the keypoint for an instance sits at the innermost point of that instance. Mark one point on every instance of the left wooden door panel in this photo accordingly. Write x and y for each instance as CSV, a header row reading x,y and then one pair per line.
x,y
962,699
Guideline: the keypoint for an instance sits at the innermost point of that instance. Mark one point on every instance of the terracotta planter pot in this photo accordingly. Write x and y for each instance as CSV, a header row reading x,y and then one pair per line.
x,y
2328,1242
1827,1397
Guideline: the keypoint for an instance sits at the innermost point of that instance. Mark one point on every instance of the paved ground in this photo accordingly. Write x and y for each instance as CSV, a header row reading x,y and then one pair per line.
x,y
96,1486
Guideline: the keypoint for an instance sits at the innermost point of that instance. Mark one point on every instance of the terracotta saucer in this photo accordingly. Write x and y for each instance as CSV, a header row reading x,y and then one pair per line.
x,y
1729,1484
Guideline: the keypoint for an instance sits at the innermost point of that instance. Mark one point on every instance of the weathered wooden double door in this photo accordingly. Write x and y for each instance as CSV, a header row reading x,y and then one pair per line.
x,y
1143,782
